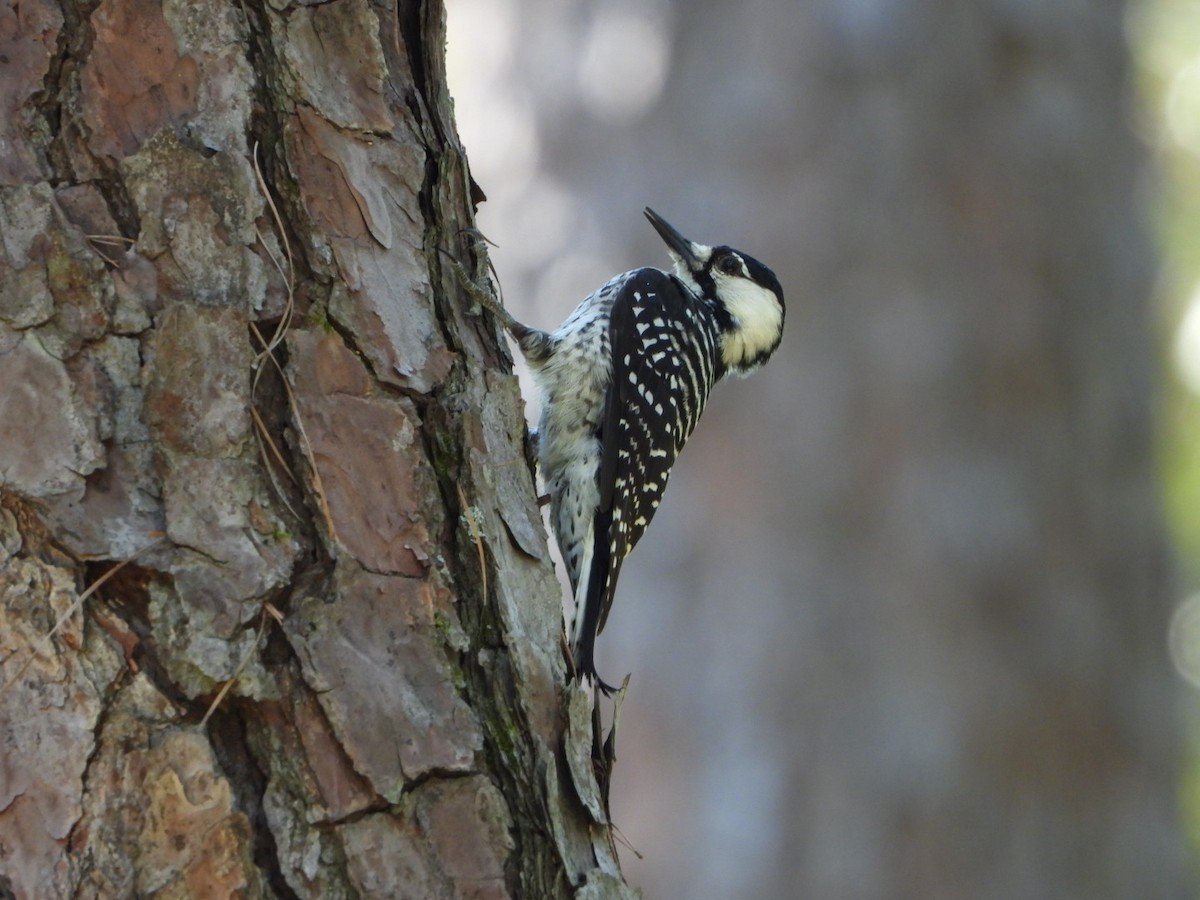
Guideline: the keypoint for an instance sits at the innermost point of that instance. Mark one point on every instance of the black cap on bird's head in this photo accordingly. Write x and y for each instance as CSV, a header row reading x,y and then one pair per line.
x,y
746,291
697,263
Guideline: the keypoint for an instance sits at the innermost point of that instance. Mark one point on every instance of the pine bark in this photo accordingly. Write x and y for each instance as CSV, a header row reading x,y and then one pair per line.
x,y
259,456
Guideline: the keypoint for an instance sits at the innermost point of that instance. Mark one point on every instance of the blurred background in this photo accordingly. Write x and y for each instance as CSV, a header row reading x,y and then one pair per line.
x,y
905,623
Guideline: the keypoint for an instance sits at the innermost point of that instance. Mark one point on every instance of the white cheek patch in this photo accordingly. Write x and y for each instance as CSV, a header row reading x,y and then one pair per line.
x,y
759,320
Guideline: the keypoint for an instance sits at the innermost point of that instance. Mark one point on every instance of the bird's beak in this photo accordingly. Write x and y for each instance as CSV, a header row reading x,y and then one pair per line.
x,y
686,251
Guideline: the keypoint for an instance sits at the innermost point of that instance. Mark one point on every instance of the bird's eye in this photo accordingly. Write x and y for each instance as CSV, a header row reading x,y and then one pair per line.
x,y
730,265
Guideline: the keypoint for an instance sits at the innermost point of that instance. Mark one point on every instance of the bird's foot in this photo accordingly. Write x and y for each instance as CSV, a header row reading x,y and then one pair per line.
x,y
481,297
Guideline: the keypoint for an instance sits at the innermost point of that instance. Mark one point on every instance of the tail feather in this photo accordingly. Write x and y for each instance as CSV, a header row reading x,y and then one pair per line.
x,y
595,586
585,665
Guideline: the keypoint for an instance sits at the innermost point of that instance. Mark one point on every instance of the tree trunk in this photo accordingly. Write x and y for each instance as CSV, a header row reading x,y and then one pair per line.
x,y
268,471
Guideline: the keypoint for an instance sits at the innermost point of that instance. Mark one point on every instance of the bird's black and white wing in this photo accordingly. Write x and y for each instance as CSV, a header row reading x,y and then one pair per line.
x,y
662,352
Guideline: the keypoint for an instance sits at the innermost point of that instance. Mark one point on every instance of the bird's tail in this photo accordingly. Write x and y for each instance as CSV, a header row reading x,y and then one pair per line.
x,y
585,664
590,595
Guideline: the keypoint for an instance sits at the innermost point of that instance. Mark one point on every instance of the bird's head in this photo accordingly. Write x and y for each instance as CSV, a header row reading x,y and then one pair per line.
x,y
747,295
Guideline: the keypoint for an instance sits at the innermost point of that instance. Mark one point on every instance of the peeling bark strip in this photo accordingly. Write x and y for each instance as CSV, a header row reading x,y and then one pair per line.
x,y
401,731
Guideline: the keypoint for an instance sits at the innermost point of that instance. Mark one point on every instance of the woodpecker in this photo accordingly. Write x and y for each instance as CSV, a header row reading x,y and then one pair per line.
x,y
623,382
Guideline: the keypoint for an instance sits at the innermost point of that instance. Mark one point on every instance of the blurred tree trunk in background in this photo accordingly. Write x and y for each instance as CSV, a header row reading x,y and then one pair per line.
x,y
899,629
300,682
